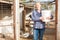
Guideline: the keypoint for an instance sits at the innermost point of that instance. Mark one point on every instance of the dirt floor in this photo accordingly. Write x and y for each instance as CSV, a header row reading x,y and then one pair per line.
x,y
49,35
3,37
46,37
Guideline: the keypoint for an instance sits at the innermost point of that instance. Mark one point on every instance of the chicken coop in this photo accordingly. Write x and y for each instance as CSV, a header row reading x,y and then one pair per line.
x,y
7,20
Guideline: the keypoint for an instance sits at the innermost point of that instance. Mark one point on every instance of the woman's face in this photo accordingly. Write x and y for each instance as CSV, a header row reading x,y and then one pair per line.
x,y
38,6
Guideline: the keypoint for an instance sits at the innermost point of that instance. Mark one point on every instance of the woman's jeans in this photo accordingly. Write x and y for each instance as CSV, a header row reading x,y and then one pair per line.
x,y
38,34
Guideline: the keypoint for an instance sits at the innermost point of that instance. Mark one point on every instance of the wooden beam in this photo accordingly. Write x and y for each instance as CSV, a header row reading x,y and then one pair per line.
x,y
16,20
6,2
56,19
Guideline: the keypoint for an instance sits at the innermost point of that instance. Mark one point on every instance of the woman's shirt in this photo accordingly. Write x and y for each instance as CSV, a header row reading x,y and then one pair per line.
x,y
38,24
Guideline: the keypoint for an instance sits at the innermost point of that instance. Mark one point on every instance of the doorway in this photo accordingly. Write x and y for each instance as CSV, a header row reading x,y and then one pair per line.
x,y
51,30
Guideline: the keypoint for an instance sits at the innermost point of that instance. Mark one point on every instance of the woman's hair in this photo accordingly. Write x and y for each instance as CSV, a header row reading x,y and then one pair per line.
x,y
36,4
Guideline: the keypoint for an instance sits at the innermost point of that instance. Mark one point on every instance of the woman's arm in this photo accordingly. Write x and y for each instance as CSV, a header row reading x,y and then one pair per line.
x,y
51,17
35,17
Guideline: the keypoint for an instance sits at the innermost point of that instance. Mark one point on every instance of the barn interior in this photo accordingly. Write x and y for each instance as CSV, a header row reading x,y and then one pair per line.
x,y
26,23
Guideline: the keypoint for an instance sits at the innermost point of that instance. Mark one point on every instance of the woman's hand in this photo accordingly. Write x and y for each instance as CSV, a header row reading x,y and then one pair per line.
x,y
42,18
48,18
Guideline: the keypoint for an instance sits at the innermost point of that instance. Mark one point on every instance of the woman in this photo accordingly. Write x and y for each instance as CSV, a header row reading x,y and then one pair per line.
x,y
39,25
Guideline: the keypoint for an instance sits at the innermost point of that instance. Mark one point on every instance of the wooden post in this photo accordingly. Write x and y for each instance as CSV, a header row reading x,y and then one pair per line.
x,y
16,20
56,19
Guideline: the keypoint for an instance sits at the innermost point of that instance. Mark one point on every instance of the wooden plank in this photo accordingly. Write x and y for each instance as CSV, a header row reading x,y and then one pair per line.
x,y
6,2
16,16
14,19
56,21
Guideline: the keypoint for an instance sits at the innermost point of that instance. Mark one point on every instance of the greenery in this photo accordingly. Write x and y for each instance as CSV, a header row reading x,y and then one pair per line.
x,y
23,0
